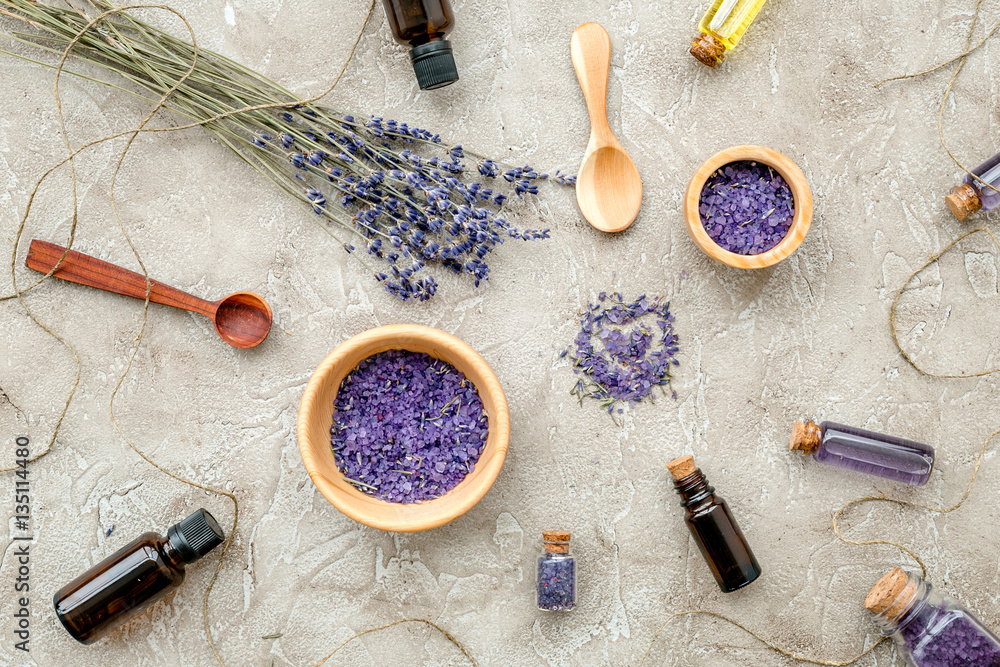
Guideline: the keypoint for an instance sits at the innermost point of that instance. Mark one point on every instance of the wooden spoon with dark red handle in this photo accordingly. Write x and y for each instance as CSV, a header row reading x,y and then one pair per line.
x,y
242,319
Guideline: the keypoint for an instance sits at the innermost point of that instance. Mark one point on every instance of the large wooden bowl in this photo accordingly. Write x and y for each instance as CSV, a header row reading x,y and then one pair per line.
x,y
801,195
316,419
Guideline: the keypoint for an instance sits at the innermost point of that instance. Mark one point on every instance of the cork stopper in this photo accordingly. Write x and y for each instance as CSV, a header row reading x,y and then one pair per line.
x,y
892,594
556,541
805,437
682,467
963,200
708,49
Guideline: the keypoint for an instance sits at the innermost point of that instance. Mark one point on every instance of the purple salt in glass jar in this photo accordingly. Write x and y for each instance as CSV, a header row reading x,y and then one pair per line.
x,y
746,207
556,573
930,629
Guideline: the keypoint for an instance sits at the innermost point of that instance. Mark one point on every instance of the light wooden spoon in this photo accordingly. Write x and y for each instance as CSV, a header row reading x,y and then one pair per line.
x,y
608,187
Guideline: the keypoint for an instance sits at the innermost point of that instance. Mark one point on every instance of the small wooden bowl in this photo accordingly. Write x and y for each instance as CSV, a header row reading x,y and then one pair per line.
x,y
316,419
801,195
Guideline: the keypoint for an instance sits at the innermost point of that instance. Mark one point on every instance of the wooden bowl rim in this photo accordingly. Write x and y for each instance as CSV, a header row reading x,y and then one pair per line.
x,y
801,195
359,506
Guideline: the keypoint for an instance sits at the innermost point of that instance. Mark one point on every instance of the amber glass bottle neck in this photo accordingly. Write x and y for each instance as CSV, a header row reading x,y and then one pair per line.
x,y
170,553
693,488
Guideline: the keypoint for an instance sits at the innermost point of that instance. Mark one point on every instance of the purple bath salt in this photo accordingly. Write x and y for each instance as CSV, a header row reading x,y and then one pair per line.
x,y
407,427
956,640
930,629
746,207
556,573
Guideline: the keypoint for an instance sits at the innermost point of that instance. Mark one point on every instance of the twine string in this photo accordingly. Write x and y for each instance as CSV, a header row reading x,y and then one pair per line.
x,y
899,293
763,640
425,621
960,59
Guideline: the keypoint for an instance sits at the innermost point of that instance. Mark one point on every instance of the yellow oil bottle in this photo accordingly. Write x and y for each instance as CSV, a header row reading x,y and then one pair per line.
x,y
721,28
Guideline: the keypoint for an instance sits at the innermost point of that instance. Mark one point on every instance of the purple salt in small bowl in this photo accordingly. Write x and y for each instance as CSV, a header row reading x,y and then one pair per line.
x,y
315,420
792,176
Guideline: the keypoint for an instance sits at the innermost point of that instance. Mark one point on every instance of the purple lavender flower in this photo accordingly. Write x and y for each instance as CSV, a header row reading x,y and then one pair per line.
x,y
395,195
623,350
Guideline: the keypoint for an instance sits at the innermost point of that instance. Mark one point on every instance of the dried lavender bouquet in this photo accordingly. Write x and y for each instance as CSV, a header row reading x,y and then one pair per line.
x,y
404,196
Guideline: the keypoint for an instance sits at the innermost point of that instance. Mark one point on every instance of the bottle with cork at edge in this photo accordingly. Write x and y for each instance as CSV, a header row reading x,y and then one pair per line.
x,y
713,527
128,581
929,629
976,193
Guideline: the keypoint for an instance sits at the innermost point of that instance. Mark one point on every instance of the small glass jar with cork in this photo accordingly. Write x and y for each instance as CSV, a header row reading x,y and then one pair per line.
x,y
929,629
556,573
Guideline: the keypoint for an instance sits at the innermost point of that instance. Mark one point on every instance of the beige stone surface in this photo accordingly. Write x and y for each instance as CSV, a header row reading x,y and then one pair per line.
x,y
808,338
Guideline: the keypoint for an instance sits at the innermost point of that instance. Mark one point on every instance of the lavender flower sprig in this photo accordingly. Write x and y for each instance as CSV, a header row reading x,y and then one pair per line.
x,y
623,350
410,208
410,200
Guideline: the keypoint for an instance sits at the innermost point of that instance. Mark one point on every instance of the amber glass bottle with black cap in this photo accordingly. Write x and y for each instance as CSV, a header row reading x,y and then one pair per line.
x,y
715,532
423,25
134,577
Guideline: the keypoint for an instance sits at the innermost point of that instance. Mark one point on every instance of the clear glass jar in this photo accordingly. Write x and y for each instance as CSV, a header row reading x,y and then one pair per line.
x,y
556,573
930,629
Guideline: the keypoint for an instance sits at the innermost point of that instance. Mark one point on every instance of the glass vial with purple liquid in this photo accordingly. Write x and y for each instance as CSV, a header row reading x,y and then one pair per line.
x,y
864,451
972,194
713,527
556,573
423,25
930,630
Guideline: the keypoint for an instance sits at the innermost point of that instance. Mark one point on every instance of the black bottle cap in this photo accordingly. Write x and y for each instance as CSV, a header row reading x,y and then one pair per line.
x,y
196,535
434,65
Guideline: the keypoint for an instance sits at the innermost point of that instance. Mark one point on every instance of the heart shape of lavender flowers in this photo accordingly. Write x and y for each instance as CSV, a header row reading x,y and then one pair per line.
x,y
623,350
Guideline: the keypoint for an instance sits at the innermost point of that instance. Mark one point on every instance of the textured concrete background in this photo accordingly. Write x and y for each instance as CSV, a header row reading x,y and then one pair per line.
x,y
808,338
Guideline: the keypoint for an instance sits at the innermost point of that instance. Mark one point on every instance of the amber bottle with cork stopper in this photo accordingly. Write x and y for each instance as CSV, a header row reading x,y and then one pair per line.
x,y
929,629
134,577
423,25
556,573
887,456
713,527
